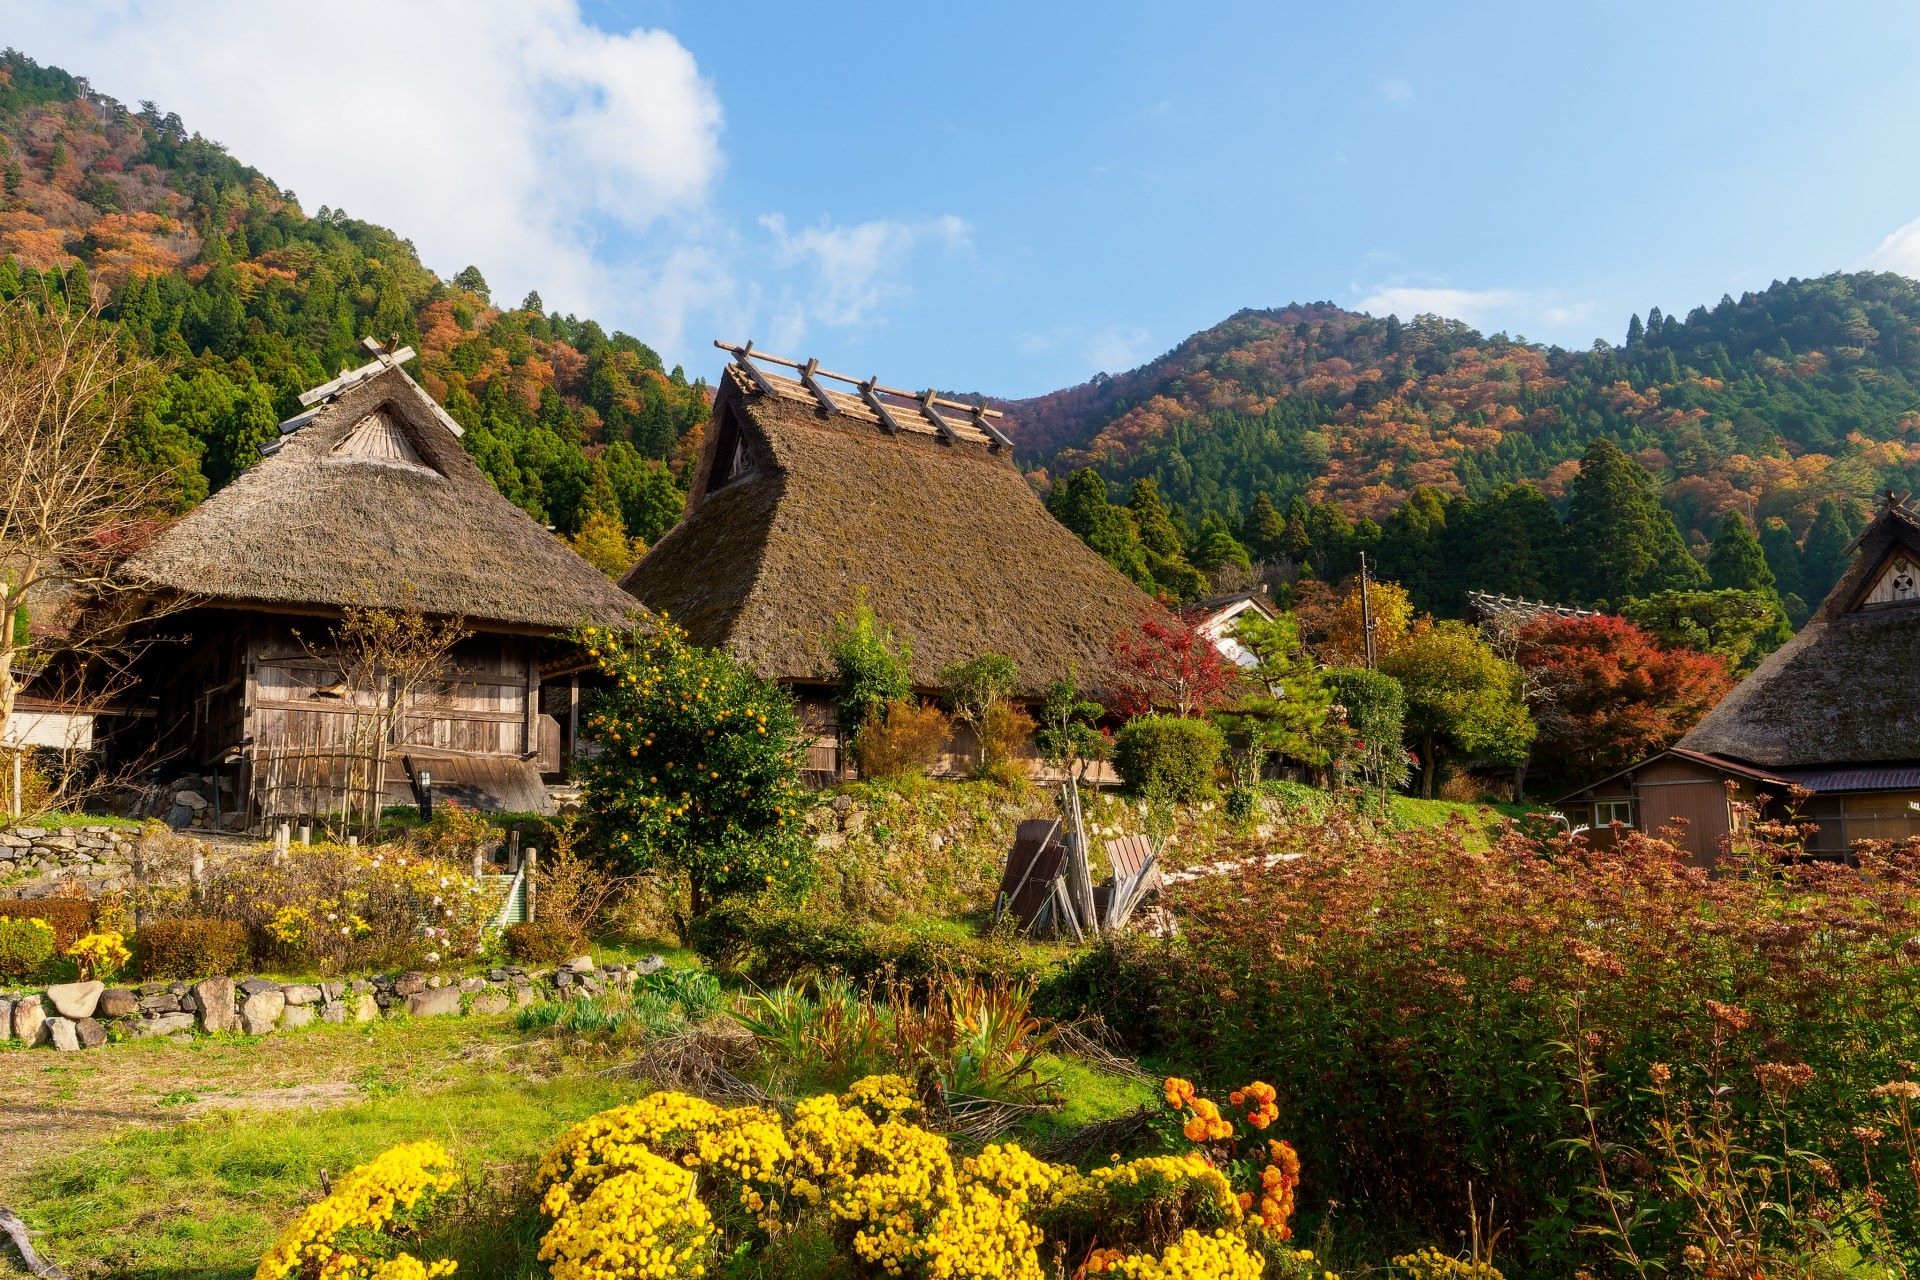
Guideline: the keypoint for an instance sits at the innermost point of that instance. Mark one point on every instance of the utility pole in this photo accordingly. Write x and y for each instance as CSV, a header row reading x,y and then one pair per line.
x,y
1366,610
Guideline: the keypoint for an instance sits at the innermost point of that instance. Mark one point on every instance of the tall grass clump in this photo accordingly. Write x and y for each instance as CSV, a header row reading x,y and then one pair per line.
x,y
1643,1065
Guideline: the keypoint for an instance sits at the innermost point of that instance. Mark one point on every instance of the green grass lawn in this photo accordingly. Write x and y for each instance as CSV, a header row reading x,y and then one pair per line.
x,y
212,1145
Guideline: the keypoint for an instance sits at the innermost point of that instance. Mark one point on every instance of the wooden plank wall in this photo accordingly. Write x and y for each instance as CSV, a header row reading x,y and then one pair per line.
x,y
484,708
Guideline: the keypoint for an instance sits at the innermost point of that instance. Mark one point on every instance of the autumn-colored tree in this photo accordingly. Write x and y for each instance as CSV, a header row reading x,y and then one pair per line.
x,y
1331,620
1608,693
1162,663
1463,700
603,543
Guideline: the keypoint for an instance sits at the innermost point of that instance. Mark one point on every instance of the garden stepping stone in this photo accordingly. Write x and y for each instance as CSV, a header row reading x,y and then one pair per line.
x,y
214,997
261,1012
76,1000
434,1004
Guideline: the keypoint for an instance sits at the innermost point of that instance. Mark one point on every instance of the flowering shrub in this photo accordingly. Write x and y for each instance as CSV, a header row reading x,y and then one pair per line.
x,y
26,943
699,772
336,910
348,1235
1626,1054
666,1187
100,955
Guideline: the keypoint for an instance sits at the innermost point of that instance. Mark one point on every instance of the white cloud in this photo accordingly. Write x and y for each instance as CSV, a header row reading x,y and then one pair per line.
x,y
1900,251
1113,348
1484,309
1398,91
852,271
510,134
505,133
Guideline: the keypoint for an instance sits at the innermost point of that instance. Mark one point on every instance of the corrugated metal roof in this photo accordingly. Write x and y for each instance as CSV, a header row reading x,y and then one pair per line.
x,y
1865,777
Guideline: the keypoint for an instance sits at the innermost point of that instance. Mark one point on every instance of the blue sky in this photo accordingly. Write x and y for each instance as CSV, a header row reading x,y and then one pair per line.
x,y
1010,198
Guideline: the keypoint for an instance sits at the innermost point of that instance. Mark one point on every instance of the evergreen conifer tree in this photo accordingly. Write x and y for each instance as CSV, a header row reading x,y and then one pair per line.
x,y
1081,503
1823,555
1737,560
1627,544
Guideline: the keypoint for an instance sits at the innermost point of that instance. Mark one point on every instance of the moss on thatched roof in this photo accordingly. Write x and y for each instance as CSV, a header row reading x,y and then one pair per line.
x,y
368,499
945,537
1837,693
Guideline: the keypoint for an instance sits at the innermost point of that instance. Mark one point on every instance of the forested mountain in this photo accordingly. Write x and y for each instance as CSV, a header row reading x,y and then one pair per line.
x,y
1297,437
247,300
1777,405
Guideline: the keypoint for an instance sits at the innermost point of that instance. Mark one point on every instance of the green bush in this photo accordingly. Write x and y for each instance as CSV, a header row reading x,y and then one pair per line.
x,y
1169,758
700,775
190,947
25,945
71,918
539,942
769,945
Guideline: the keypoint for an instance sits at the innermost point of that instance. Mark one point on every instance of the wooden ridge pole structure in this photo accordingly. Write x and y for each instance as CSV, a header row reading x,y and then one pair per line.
x,y
869,390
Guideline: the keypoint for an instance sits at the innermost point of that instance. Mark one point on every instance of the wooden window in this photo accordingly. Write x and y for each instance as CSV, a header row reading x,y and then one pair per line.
x,y
1608,812
1898,583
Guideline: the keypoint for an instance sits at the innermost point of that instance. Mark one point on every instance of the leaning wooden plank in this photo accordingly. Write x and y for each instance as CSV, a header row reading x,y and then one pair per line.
x,y
1063,907
36,1265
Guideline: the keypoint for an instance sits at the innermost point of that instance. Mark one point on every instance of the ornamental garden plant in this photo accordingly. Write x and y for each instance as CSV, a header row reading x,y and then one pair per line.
x,y
698,776
1644,1067
854,1184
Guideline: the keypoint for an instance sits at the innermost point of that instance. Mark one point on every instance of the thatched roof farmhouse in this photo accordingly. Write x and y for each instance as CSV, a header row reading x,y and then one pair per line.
x,y
808,497
1829,711
367,500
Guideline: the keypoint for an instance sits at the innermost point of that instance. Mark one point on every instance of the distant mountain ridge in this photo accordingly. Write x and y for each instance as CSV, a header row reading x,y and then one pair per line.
x,y
212,268
1766,404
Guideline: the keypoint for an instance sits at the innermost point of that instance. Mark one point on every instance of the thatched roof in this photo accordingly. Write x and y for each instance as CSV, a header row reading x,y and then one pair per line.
x,y
941,531
1838,692
368,499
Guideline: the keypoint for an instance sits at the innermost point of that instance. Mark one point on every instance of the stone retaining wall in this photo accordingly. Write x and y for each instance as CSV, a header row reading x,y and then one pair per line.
x,y
86,1015
101,855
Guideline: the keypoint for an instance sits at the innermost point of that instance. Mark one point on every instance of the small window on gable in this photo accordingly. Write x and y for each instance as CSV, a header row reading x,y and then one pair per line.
x,y
1608,812
730,458
1898,583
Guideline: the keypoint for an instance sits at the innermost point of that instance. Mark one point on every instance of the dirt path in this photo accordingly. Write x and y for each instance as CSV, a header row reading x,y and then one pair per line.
x,y
52,1104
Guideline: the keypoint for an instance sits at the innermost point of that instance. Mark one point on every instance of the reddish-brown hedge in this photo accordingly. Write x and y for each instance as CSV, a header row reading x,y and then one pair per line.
x,y
190,947
71,918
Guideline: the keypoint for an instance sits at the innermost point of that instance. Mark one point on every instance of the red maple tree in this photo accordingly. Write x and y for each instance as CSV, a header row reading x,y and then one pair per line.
x,y
1606,693
1162,663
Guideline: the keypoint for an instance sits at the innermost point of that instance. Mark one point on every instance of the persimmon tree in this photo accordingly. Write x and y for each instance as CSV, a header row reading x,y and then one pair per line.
x,y
1609,693
1163,663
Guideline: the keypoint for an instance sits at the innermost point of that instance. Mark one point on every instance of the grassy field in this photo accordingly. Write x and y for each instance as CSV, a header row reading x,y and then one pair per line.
x,y
159,1159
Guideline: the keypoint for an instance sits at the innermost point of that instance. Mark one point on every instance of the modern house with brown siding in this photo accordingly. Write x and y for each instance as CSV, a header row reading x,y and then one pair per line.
x,y
1830,712
810,496
368,501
